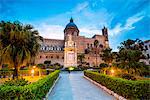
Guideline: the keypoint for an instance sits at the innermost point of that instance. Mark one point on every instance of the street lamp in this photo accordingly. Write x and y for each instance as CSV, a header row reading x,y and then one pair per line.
x,y
32,72
71,68
34,66
112,72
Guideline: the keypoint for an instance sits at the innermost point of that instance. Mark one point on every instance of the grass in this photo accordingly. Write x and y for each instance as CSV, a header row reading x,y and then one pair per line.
x,y
33,79
29,78
2,80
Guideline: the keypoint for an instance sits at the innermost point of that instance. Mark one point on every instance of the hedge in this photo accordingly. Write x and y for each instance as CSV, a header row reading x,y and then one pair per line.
x,y
34,91
129,89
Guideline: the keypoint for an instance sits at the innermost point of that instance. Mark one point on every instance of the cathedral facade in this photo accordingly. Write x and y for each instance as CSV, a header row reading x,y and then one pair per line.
x,y
65,52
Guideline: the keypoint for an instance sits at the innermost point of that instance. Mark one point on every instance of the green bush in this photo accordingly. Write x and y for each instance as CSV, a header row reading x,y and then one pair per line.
x,y
127,88
103,65
56,67
16,82
41,66
4,73
34,91
127,76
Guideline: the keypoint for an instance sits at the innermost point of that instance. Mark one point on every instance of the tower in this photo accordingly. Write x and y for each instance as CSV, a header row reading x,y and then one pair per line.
x,y
70,50
105,34
71,29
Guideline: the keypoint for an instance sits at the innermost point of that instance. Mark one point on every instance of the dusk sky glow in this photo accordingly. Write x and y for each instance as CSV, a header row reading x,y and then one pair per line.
x,y
125,19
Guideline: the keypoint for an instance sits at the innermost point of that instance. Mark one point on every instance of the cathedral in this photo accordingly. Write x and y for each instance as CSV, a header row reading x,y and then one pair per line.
x,y
65,52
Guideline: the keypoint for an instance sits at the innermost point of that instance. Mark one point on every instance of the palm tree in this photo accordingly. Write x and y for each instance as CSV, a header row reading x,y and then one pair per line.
x,y
19,44
96,43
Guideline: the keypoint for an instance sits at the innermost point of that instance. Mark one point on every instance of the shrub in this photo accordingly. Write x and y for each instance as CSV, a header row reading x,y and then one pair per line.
x,y
16,82
34,91
127,76
127,88
103,65
4,73
41,66
56,67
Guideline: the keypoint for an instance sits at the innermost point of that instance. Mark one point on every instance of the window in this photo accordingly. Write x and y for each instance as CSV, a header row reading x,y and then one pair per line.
x,y
91,45
148,56
46,57
87,45
146,47
101,46
51,56
57,57
40,56
62,57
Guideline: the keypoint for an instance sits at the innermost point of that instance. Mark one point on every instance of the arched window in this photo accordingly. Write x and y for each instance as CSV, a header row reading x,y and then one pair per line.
x,y
101,46
57,57
44,48
87,45
91,45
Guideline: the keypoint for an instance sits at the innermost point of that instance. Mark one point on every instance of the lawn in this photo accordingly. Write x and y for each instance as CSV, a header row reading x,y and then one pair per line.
x,y
33,79
29,78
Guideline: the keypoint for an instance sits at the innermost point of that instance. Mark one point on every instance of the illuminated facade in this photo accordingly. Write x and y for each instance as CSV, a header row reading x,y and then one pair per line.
x,y
65,51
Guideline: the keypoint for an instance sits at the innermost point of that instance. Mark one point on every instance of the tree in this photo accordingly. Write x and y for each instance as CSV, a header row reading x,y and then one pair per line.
x,y
130,52
132,44
107,56
47,63
81,58
96,43
19,44
103,68
129,60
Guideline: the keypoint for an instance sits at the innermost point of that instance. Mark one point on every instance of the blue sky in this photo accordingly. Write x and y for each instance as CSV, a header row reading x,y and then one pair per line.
x,y
124,18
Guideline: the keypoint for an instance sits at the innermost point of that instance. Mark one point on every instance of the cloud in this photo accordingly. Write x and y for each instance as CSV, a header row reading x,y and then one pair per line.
x,y
56,31
89,32
51,31
82,15
80,7
129,25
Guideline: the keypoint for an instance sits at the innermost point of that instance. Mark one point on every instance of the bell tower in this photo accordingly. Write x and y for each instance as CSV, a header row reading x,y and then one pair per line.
x,y
70,50
105,34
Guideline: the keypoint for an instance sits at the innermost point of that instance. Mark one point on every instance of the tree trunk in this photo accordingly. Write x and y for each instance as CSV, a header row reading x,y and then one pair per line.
x,y
15,75
96,56
96,60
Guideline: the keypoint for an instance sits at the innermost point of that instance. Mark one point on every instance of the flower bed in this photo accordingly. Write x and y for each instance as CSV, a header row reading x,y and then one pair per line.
x,y
129,89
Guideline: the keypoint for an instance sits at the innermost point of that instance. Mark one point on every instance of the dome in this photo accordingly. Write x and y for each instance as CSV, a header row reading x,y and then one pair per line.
x,y
71,24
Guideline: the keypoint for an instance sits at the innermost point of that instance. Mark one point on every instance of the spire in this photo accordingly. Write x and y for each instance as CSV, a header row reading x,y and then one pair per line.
x,y
71,19
104,26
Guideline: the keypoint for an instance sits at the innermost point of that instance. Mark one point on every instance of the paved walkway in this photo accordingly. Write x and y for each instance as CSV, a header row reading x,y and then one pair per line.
x,y
74,87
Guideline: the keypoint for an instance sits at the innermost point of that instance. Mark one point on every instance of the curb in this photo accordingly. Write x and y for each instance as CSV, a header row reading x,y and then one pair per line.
x,y
50,90
118,97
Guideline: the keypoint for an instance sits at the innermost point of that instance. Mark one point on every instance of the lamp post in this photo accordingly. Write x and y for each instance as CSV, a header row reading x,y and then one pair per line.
x,y
70,69
32,72
112,71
